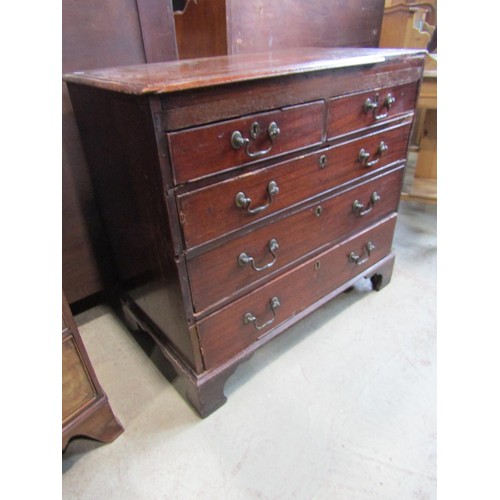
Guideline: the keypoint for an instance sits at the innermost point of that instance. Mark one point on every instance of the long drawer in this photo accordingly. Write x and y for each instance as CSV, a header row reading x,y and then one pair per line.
x,y
232,329
353,112
212,211
210,149
216,275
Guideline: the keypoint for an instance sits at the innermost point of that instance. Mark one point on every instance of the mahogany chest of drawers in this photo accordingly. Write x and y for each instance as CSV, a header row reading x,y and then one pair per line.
x,y
240,193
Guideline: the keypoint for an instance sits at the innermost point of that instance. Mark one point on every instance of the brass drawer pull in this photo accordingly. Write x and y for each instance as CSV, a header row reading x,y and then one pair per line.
x,y
356,259
238,141
359,209
244,258
372,105
250,318
242,201
363,155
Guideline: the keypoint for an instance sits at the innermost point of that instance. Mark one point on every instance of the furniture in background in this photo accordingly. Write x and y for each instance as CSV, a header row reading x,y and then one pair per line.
x,y
229,184
408,24
424,183
85,408
413,25
98,33
218,27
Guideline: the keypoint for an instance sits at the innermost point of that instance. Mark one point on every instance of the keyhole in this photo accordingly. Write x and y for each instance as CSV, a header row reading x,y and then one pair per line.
x,y
319,211
317,265
254,130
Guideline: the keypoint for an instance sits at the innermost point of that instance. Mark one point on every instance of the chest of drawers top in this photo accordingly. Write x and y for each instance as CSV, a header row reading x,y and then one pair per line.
x,y
174,76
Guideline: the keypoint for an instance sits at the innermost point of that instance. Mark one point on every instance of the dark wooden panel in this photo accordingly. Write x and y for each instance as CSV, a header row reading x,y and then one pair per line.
x,y
270,25
216,275
125,167
299,127
224,334
212,27
99,33
158,30
201,29
209,212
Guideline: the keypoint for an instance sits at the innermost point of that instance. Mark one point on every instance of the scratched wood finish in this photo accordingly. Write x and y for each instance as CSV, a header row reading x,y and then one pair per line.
x,y
300,127
174,76
224,333
204,105
210,212
216,276
347,113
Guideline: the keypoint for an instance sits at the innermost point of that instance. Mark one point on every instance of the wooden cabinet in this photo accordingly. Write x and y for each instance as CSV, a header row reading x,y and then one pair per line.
x,y
218,27
241,193
85,408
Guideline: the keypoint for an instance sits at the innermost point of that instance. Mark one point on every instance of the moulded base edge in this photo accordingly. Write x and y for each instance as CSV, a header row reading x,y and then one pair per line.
x,y
205,391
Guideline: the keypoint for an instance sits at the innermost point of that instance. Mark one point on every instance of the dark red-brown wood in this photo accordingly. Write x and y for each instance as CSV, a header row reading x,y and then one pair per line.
x,y
127,176
300,127
216,276
210,212
224,333
168,276
174,76
347,113
200,29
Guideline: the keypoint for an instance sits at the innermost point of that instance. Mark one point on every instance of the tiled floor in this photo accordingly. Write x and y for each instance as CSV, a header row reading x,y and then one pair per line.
x,y
341,407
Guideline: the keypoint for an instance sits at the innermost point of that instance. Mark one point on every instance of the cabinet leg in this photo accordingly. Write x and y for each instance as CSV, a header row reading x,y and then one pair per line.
x,y
383,274
98,423
206,394
203,391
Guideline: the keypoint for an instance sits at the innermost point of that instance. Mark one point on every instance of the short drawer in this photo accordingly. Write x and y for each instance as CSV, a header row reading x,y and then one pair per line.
x,y
242,263
212,211
232,329
210,149
353,112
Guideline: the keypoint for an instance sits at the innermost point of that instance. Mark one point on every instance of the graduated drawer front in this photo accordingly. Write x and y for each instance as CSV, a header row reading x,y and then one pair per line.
x,y
210,212
208,150
225,333
351,112
217,274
